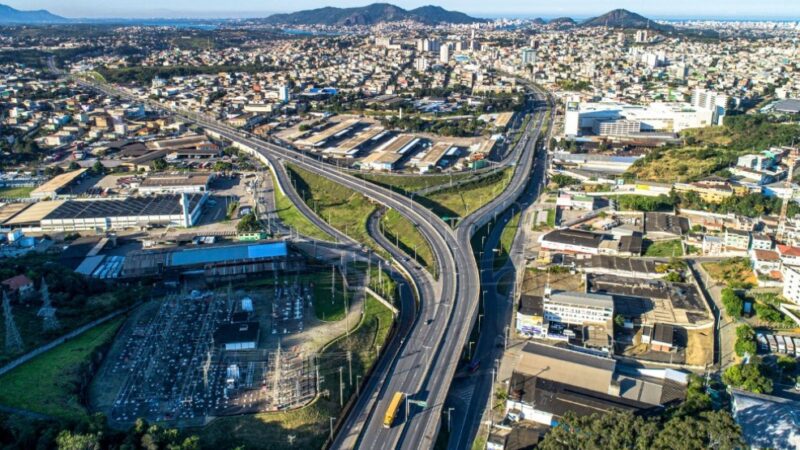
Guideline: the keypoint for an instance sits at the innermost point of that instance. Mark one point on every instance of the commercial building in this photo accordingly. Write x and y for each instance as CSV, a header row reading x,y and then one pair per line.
x,y
578,308
530,316
585,242
713,101
584,118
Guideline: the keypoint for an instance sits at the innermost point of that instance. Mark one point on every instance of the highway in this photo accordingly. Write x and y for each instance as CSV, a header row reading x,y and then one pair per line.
x,y
427,359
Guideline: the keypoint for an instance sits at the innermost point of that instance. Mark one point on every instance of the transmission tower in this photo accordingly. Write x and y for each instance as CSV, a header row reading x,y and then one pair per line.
x,y
13,338
47,312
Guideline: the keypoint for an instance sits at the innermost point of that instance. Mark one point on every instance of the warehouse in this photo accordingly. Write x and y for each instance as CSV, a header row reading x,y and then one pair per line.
x,y
74,215
175,184
217,261
58,184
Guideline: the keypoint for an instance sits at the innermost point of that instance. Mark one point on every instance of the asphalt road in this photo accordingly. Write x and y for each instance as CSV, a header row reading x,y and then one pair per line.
x,y
428,357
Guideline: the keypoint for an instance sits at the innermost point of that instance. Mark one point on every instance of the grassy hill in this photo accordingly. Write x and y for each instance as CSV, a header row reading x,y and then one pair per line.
x,y
712,149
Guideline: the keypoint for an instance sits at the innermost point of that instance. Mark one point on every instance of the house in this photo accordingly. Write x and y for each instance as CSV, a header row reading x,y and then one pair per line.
x,y
765,261
712,245
20,285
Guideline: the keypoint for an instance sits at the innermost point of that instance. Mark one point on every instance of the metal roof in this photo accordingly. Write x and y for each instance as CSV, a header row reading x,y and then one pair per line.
x,y
209,255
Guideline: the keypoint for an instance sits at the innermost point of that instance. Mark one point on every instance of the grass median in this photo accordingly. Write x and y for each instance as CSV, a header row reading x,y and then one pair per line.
x,y
408,238
292,217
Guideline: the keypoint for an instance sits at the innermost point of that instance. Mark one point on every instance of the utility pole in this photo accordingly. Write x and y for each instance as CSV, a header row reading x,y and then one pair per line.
x,y
341,387
350,365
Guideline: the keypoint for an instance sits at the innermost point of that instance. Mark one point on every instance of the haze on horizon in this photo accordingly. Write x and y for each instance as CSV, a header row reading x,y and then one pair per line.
x,y
676,9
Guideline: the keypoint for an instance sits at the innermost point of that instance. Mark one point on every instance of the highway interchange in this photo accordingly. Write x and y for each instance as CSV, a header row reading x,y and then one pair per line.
x,y
424,360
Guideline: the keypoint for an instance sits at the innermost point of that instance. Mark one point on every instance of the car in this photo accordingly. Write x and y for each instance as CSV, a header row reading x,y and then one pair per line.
x,y
473,366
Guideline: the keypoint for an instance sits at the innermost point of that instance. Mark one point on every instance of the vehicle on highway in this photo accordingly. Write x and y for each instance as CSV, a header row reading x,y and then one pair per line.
x,y
391,411
473,366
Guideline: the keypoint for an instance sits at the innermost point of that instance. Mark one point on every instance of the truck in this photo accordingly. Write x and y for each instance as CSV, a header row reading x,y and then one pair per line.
x,y
391,411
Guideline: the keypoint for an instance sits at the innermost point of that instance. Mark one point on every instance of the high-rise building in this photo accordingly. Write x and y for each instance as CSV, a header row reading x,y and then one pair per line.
x,y
642,36
528,56
430,45
444,53
711,100
421,64
283,93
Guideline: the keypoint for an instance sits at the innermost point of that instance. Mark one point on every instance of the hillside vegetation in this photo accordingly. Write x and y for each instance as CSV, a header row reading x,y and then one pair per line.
x,y
710,150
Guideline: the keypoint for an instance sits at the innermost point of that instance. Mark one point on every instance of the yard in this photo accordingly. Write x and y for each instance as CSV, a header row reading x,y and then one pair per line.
x,y
731,271
506,241
49,383
663,249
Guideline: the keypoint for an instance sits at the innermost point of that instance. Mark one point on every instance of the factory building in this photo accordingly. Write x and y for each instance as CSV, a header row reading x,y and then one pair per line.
x,y
182,210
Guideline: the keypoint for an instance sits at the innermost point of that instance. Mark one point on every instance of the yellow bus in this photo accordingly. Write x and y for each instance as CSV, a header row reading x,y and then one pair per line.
x,y
391,411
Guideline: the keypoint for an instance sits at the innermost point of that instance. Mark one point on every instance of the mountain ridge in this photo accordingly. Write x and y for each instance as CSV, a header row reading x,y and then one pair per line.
x,y
9,15
370,15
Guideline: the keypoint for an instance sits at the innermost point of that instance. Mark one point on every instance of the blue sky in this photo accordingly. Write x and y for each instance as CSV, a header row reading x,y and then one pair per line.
x,y
786,9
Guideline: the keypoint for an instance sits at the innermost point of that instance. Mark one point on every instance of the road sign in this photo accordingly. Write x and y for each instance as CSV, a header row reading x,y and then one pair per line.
x,y
420,403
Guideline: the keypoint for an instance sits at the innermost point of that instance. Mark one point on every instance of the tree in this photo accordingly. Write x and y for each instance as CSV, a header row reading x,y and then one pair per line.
x,y
159,164
745,340
248,224
68,440
564,180
732,302
74,165
749,377
98,168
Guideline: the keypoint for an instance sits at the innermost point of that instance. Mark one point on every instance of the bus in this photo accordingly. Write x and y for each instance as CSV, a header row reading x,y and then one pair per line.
x,y
391,411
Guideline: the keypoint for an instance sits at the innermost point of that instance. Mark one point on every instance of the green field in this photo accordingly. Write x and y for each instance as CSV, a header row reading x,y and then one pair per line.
x,y
292,217
308,427
412,183
663,249
464,200
402,231
48,384
17,192
344,209
506,241
70,317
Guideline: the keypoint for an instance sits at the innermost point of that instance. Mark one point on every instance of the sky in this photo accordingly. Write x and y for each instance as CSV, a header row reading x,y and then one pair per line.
x,y
658,9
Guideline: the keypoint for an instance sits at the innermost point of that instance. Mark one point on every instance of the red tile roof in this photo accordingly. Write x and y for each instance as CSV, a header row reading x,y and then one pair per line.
x,y
788,250
16,282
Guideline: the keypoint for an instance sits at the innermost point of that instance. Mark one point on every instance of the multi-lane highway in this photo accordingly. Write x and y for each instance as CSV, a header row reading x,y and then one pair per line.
x,y
424,365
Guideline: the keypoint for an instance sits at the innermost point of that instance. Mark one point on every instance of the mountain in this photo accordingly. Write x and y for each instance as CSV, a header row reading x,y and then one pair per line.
x,y
562,22
622,18
9,15
370,15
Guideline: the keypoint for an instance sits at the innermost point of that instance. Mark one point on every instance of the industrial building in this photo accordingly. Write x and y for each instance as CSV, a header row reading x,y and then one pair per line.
x,y
237,336
213,262
175,184
182,210
58,185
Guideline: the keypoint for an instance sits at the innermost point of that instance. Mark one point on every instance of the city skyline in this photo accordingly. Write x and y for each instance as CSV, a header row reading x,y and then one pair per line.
x,y
679,9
